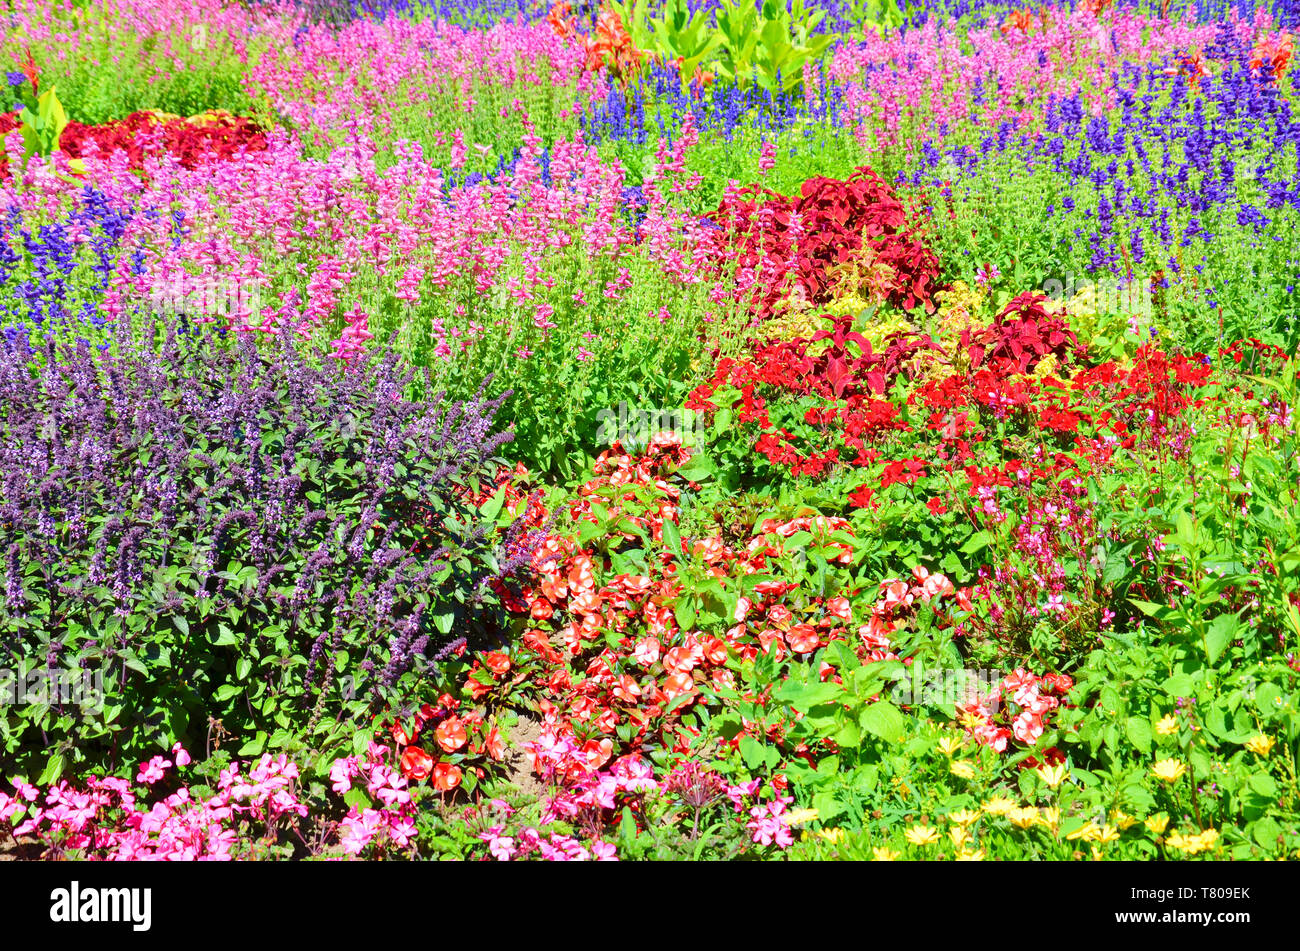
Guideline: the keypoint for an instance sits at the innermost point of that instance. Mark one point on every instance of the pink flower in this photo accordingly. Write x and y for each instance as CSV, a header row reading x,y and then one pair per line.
x,y
501,846
182,757
153,771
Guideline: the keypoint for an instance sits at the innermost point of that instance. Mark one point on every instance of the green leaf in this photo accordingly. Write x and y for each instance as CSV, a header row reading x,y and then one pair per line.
x,y
1268,698
492,507
1265,832
255,746
1151,609
53,770
1220,634
1179,685
803,697
753,752
1264,784
884,720
1138,730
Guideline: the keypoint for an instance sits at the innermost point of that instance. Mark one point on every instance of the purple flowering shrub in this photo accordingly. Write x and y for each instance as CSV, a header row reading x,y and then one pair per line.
x,y
237,538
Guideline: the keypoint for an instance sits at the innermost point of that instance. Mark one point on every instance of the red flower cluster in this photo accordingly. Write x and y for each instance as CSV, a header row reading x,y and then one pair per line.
x,y
454,736
612,652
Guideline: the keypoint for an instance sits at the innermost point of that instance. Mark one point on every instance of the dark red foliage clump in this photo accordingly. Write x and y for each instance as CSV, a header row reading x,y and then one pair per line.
x,y
1023,334
824,228
215,136
219,136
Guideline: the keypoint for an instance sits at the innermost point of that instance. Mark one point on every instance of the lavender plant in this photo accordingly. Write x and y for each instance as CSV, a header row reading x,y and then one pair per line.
x,y
233,534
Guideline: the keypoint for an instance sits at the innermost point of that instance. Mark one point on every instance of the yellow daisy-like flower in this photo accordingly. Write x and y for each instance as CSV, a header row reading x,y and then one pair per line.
x,y
976,856
999,805
884,853
1088,832
1168,725
1179,841
1193,844
1023,818
1122,819
1096,854
1260,745
798,817
959,836
1168,770
922,835
1050,816
949,745
1053,775
1209,837
970,721
962,769
1107,835
1157,823
964,817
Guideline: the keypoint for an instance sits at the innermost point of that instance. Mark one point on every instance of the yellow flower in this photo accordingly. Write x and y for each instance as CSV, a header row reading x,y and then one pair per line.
x,y
964,817
1107,835
1168,725
1168,770
798,817
1053,775
1207,838
949,745
959,836
1051,817
975,856
971,721
1122,819
963,769
922,835
1023,818
999,805
884,853
1157,823
1193,844
1260,745
1088,832
830,835
1096,854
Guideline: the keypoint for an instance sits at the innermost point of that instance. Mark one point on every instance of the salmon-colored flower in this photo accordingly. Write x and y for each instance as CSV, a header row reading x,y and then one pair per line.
x,y
416,763
446,777
451,734
803,639
496,747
